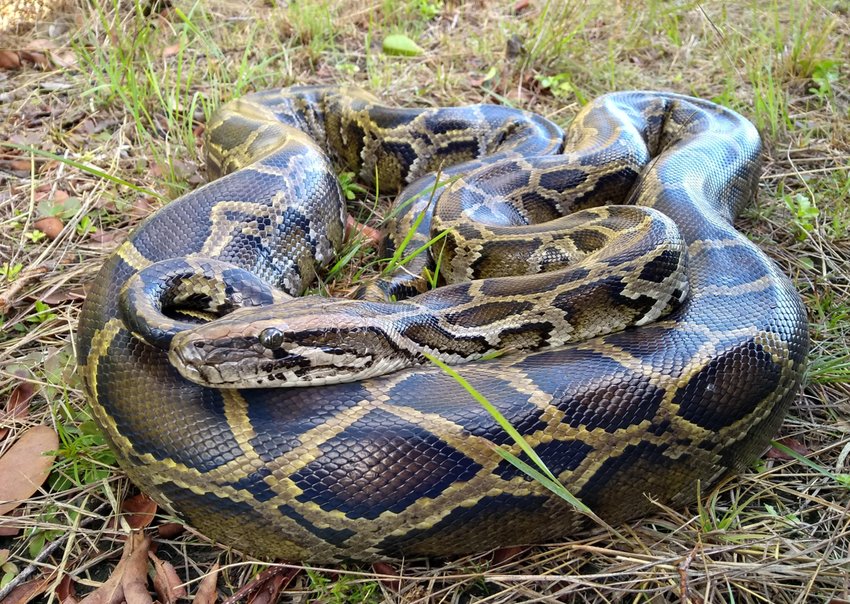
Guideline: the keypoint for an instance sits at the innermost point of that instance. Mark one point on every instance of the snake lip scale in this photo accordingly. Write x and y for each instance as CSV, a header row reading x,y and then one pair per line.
x,y
651,347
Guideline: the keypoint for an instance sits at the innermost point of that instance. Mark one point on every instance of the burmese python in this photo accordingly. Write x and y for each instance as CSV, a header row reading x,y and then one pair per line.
x,y
403,464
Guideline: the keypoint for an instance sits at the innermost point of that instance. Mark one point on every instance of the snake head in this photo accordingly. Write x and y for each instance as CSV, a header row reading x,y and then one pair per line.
x,y
305,341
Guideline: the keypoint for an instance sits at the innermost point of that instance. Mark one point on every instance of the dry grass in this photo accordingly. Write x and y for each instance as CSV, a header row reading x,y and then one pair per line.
x,y
124,92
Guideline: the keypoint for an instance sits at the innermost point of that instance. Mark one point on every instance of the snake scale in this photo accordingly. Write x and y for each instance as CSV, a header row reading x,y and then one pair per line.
x,y
686,389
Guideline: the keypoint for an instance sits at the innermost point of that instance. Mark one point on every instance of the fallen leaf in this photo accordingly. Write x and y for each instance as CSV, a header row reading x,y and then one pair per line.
x,y
105,237
140,510
39,58
25,466
400,45
135,579
169,530
9,59
268,592
18,405
207,593
142,206
502,555
352,226
50,226
166,583
128,581
65,59
793,444
382,568
59,197
264,584
26,139
66,590
170,51
20,165
27,591
6,527
40,44
62,295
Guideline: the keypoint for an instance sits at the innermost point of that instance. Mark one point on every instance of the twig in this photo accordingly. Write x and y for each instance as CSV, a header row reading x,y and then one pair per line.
x,y
43,555
7,298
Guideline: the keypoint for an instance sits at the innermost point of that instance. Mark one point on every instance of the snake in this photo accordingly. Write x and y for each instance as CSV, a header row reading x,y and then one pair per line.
x,y
589,283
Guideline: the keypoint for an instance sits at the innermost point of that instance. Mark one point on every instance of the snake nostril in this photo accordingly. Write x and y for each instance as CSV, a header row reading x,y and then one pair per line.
x,y
198,344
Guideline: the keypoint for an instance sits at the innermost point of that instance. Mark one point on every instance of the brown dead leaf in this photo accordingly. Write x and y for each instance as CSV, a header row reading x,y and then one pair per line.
x,y
50,226
9,59
62,295
140,510
793,444
38,58
40,44
352,227
135,579
20,165
6,527
27,591
207,593
166,583
170,530
64,59
44,192
502,555
268,592
25,466
106,237
66,591
259,589
128,581
142,206
382,568
18,405
170,51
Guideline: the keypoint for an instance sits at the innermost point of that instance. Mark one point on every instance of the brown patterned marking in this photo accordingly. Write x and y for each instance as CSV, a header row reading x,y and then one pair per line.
x,y
488,313
438,339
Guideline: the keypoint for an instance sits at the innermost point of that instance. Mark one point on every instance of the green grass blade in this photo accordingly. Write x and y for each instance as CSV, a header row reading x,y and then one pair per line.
x,y
554,486
842,479
85,168
549,479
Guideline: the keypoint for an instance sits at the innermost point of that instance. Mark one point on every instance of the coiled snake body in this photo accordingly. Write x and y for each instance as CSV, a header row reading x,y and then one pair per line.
x,y
404,464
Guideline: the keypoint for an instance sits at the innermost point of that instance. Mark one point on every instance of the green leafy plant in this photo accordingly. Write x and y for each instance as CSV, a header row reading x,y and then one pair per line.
x,y
560,85
804,213
9,272
350,188
824,76
42,314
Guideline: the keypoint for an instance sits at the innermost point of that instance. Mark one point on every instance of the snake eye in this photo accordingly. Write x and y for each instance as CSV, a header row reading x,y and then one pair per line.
x,y
271,337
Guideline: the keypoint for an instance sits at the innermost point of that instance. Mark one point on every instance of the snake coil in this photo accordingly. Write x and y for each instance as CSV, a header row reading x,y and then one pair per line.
x,y
402,465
